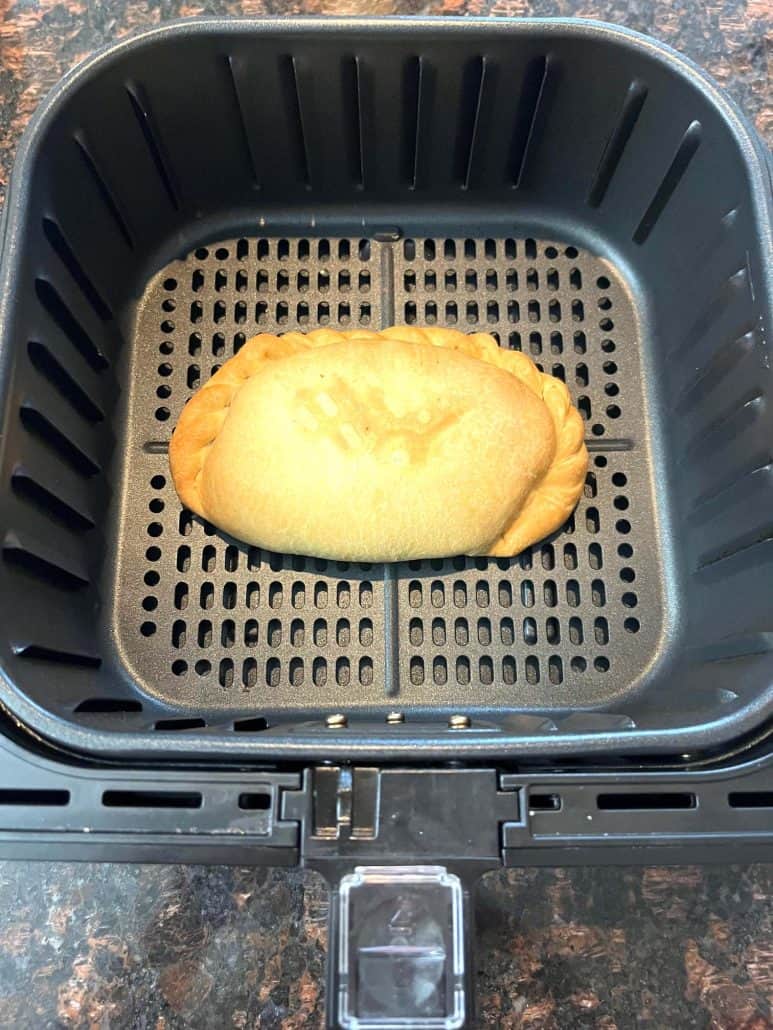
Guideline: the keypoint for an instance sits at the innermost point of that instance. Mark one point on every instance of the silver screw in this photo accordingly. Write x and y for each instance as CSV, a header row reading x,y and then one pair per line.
x,y
459,722
336,722
395,718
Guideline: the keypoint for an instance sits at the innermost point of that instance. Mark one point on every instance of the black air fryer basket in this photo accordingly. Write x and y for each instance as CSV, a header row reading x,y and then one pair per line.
x,y
578,191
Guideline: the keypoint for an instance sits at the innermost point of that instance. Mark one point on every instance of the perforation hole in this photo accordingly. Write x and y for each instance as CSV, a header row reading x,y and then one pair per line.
x,y
601,631
296,672
273,672
249,672
555,670
463,670
439,670
417,670
595,556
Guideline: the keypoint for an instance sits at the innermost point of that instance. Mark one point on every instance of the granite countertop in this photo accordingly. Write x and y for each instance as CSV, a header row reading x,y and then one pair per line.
x,y
167,947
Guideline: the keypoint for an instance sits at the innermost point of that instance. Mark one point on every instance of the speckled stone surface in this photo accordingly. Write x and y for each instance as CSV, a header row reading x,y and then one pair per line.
x,y
171,947
95,947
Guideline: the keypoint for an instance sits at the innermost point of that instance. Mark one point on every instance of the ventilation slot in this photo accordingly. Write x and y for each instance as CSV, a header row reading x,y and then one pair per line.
x,y
729,291
107,705
51,435
729,425
293,93
353,103
104,190
716,370
249,153
684,154
38,798
65,254
475,85
737,546
414,85
255,802
532,94
46,566
731,649
141,108
751,799
255,725
70,326
48,654
645,802
544,802
618,141
174,725
150,799
26,487
46,364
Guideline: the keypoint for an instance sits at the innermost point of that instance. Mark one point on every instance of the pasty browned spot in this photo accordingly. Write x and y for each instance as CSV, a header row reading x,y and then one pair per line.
x,y
381,446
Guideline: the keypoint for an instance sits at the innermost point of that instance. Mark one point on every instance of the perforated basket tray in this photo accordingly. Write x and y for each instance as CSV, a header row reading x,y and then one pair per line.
x,y
580,192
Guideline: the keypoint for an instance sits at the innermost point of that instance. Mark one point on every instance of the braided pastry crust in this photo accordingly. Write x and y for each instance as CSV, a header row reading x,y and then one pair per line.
x,y
543,507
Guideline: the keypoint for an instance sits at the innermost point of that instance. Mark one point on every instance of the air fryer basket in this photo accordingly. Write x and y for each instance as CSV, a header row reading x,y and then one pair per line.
x,y
583,194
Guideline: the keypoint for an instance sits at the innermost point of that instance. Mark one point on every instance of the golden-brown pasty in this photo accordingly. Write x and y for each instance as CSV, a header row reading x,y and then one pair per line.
x,y
381,446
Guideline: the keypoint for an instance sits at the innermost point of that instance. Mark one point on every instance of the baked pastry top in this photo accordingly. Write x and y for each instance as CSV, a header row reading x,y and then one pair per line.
x,y
381,446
